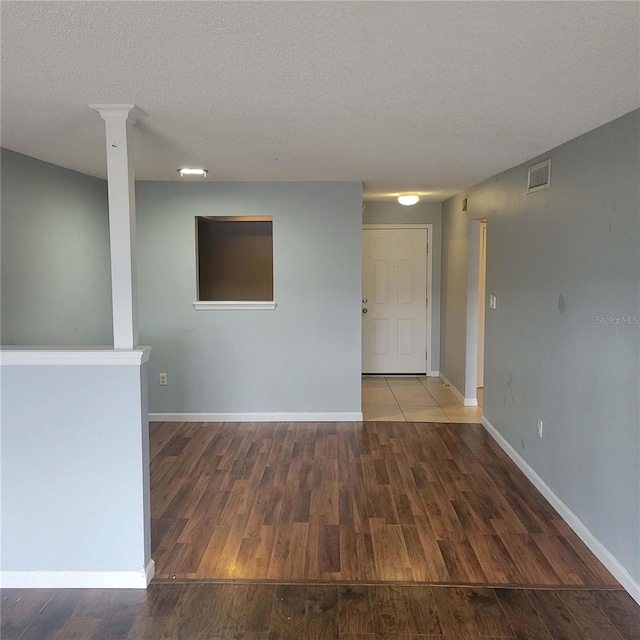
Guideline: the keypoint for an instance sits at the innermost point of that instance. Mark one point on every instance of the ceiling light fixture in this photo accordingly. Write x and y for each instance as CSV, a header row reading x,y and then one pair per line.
x,y
192,172
407,201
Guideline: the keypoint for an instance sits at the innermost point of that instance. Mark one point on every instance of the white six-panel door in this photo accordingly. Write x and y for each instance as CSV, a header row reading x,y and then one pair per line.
x,y
394,300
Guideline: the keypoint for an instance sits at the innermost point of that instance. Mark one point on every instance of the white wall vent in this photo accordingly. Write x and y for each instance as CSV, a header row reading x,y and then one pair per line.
x,y
539,176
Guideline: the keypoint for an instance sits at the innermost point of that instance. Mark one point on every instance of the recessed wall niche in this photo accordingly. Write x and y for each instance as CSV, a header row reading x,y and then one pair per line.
x,y
235,258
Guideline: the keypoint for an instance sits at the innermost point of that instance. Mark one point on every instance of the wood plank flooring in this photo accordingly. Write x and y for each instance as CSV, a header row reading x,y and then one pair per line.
x,y
195,611
367,502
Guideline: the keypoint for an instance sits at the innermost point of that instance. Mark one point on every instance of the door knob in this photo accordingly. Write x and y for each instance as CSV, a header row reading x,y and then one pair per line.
x,y
364,311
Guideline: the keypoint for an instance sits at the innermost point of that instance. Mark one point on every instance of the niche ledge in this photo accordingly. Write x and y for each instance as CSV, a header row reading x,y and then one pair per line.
x,y
230,306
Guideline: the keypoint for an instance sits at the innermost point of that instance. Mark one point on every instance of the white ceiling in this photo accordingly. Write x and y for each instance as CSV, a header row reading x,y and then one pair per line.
x,y
406,96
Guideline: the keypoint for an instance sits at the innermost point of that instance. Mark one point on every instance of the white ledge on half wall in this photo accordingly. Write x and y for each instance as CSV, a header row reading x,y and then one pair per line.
x,y
206,305
63,356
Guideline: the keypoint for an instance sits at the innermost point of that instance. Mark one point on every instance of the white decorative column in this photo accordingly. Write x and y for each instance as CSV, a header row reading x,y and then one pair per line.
x,y
84,444
122,221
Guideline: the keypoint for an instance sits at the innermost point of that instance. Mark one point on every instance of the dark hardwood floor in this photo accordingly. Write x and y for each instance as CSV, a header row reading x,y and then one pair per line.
x,y
261,532
355,502
201,611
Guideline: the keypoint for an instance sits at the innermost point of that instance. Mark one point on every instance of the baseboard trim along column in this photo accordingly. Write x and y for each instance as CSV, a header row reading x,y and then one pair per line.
x,y
598,549
78,579
348,416
467,402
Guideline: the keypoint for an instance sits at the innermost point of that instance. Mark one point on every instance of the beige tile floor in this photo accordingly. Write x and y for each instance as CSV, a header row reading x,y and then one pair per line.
x,y
414,399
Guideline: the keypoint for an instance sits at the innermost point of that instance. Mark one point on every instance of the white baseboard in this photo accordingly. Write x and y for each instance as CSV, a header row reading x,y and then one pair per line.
x,y
599,550
347,416
433,374
467,402
78,579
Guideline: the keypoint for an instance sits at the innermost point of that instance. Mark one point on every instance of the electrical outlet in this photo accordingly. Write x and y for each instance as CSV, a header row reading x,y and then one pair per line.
x,y
493,301
163,379
540,426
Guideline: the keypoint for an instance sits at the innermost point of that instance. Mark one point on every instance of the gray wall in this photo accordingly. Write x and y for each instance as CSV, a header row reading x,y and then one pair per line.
x,y
305,355
453,296
559,261
75,468
378,212
56,286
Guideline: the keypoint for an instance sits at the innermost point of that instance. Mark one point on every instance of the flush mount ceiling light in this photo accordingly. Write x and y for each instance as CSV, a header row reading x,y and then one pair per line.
x,y
192,172
408,200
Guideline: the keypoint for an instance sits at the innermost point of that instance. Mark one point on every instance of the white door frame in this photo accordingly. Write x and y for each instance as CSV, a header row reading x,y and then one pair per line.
x,y
429,228
482,311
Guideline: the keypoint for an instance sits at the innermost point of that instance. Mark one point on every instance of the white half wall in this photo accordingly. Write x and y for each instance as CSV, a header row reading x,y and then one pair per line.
x,y
75,474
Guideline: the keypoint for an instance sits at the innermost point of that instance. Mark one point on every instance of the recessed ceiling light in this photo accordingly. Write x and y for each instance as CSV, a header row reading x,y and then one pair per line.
x,y
192,172
408,200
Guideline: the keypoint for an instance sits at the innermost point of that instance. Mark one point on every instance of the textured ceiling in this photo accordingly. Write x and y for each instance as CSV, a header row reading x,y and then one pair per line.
x,y
421,96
